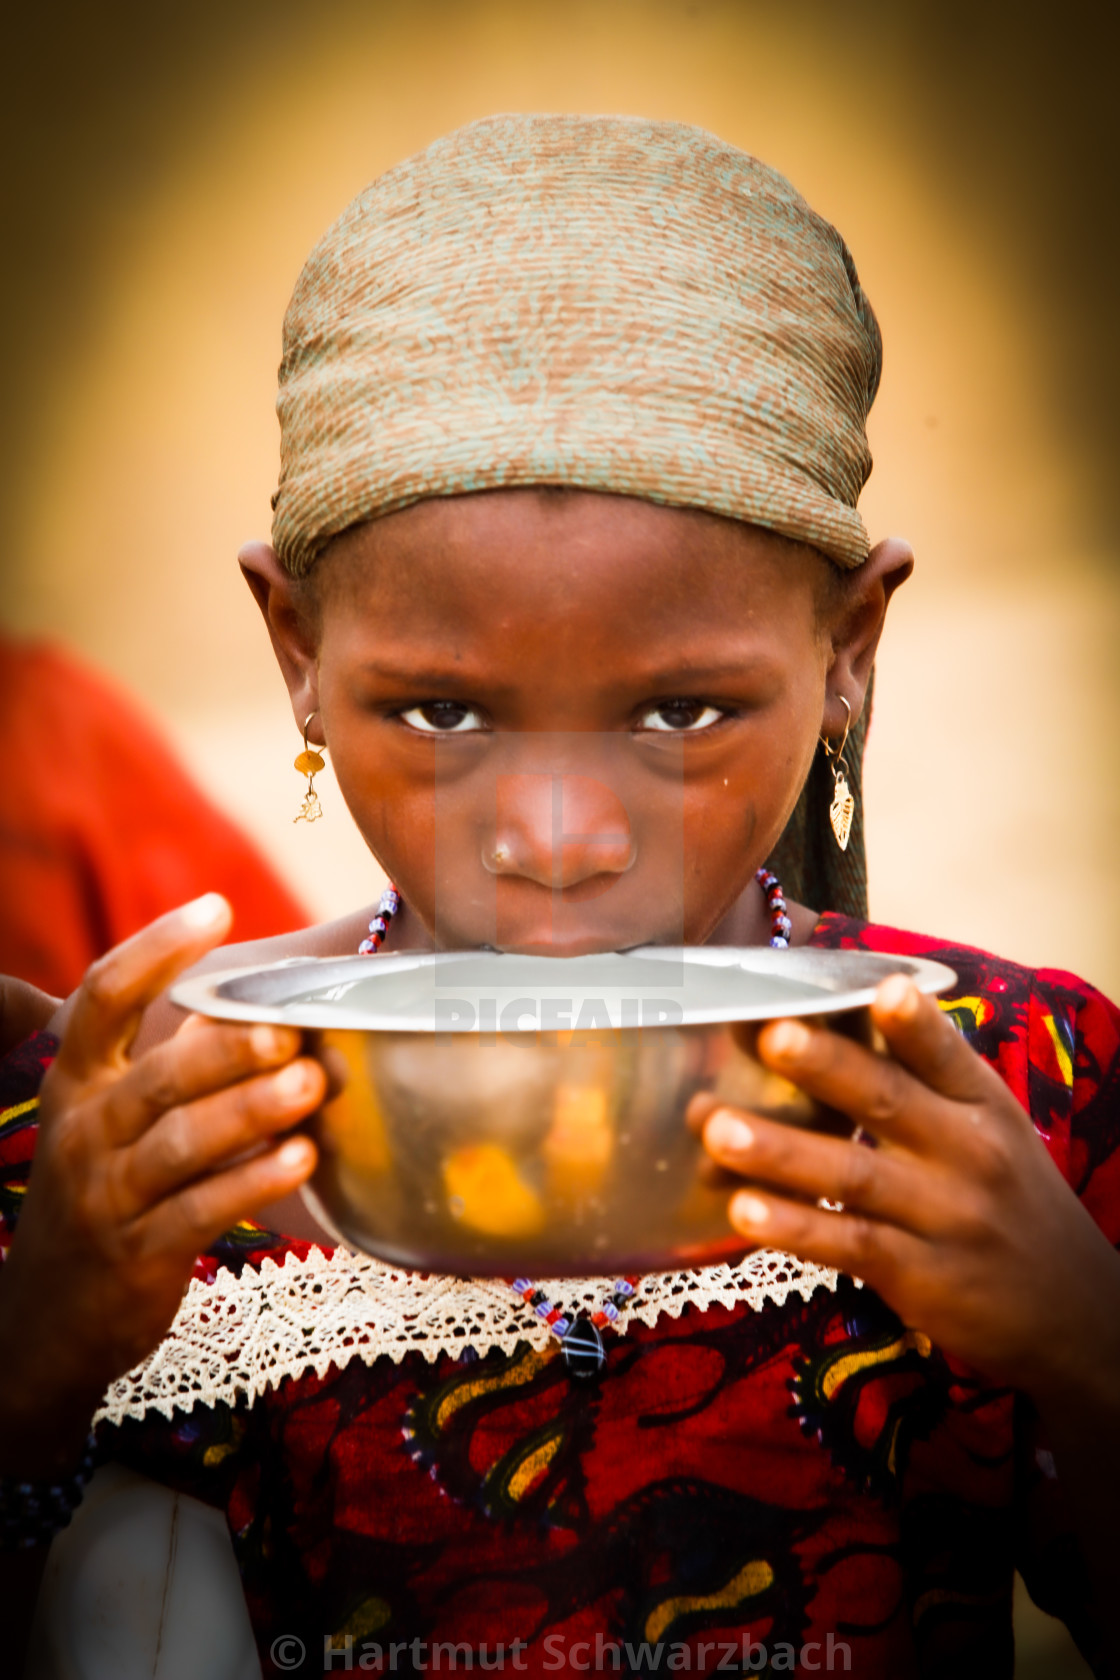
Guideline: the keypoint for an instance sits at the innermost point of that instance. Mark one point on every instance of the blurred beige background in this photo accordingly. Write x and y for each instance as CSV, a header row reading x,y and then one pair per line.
x,y
173,184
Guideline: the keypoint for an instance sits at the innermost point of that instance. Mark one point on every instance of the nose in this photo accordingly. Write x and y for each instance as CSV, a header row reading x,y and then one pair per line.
x,y
558,830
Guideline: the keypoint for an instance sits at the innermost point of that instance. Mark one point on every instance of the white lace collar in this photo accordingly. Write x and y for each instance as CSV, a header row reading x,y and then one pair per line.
x,y
238,1336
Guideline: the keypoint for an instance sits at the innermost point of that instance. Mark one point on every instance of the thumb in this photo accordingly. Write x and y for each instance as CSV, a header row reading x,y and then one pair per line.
x,y
106,1010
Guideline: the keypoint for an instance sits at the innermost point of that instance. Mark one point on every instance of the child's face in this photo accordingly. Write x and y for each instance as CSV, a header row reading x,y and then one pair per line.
x,y
566,721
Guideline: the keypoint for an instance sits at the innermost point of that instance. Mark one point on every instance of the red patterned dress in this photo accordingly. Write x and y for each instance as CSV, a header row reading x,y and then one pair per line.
x,y
807,1486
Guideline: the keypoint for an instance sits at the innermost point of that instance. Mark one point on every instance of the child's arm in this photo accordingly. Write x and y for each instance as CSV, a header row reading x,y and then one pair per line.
x,y
960,1221
140,1165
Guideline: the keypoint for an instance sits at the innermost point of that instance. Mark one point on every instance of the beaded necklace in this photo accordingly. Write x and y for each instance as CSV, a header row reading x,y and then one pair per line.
x,y
387,906
580,1337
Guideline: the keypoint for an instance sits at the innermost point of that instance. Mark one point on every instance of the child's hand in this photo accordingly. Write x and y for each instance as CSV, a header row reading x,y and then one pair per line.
x,y
958,1218
139,1166
24,1010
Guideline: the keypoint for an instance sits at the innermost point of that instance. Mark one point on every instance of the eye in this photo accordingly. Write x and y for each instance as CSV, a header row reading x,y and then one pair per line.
x,y
442,717
681,716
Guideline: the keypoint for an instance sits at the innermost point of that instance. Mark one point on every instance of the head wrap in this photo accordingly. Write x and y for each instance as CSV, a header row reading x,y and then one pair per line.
x,y
598,302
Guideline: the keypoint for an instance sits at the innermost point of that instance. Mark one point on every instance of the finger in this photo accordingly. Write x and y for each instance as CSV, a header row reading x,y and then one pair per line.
x,y
874,1091
885,1183
189,1143
119,986
700,1107
203,1057
190,1221
848,1242
923,1039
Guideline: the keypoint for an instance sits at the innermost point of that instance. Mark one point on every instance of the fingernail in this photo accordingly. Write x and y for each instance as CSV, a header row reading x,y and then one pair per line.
x,y
727,1131
294,1153
749,1210
291,1082
205,911
788,1039
898,997
265,1042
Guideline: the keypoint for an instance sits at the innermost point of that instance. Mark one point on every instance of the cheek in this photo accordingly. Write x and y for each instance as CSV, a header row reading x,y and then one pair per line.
x,y
395,816
720,826
734,816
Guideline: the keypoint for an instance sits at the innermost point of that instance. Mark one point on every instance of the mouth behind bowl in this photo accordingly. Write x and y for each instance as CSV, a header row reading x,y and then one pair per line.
x,y
498,1115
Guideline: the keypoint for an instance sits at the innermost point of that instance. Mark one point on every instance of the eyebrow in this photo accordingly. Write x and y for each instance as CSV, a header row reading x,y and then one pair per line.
x,y
661,679
685,671
419,676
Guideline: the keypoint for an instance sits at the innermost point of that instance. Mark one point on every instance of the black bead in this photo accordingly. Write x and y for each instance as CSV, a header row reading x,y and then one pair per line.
x,y
583,1350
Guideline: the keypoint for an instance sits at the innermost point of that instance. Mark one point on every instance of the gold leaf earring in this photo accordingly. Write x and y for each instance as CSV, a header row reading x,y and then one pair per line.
x,y
843,807
309,763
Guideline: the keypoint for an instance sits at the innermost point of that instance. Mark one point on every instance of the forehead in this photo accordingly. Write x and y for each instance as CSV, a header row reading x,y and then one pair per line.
x,y
523,558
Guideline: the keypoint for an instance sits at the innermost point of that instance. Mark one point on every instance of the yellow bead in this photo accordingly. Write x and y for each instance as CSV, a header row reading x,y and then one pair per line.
x,y
309,763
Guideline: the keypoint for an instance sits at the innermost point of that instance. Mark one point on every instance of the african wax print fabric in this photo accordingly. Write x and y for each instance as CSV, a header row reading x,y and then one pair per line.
x,y
806,1487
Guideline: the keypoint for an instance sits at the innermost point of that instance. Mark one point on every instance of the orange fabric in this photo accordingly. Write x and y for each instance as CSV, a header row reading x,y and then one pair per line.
x,y
101,829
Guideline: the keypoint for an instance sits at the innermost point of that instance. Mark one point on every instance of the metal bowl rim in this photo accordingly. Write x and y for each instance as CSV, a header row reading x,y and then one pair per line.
x,y
202,993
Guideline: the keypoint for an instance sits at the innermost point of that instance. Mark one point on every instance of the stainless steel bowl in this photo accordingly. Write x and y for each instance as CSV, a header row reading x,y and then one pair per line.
x,y
500,1114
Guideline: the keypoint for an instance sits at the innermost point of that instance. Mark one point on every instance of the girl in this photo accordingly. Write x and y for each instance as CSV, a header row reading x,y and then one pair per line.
x,y
572,435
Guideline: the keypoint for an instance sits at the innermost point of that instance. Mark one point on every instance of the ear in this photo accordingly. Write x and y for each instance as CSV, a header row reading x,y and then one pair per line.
x,y
858,619
291,628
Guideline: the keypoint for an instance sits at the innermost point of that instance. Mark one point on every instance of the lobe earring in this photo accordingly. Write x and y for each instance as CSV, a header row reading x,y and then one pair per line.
x,y
309,763
842,809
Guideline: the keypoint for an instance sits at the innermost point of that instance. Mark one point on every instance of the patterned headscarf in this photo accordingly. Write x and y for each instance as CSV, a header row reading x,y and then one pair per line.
x,y
599,302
